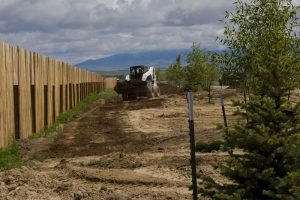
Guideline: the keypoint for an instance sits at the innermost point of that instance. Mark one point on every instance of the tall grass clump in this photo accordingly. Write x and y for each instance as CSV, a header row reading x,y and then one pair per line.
x,y
10,158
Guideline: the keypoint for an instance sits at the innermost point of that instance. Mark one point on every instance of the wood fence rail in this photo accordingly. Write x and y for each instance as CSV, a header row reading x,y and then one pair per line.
x,y
35,89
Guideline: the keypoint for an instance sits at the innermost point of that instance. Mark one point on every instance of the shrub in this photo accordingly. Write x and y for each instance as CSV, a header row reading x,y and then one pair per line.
x,y
208,147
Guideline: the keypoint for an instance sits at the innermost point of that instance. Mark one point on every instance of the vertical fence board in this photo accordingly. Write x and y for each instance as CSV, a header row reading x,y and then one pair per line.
x,y
50,92
32,68
24,94
9,93
67,87
2,98
5,102
63,82
74,85
15,66
57,87
39,92
44,80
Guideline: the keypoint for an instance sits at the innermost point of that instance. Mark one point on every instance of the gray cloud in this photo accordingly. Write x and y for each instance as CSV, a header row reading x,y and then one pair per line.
x,y
76,30
204,13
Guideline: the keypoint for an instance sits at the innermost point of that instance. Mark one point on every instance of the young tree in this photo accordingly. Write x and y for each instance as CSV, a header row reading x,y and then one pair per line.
x,y
195,69
260,36
211,73
175,72
201,71
160,74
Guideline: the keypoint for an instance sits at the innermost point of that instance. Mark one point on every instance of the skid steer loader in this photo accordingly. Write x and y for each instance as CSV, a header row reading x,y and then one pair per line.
x,y
141,82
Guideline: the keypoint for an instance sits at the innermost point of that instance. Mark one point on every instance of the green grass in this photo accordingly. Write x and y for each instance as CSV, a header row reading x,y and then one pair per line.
x,y
10,158
83,105
73,113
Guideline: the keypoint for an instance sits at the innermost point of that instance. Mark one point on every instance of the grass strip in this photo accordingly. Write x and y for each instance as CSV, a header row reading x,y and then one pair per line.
x,y
73,113
10,158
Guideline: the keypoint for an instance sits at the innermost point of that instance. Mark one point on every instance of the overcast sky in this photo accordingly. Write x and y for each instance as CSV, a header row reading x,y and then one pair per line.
x,y
76,30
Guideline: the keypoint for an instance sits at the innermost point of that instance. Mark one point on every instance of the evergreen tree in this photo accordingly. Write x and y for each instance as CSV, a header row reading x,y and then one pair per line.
x,y
270,167
263,47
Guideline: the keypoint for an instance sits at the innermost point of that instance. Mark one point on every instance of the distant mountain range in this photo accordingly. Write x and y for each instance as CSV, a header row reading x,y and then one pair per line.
x,y
117,62
160,58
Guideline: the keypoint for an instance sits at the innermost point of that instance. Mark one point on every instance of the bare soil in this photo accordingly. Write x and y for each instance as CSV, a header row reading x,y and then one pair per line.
x,y
120,150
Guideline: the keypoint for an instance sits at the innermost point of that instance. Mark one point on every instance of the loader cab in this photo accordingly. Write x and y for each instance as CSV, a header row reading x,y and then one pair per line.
x,y
136,72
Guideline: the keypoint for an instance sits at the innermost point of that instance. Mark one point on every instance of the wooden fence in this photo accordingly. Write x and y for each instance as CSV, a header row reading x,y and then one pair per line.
x,y
110,82
35,89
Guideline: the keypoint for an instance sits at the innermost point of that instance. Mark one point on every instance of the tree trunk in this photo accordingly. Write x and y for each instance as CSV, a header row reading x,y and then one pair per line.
x,y
245,96
209,97
245,93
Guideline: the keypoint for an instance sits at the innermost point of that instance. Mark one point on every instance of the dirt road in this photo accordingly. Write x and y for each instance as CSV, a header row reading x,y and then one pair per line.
x,y
117,150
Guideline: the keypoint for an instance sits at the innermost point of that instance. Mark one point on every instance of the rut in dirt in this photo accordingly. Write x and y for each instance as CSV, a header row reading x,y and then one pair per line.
x,y
100,131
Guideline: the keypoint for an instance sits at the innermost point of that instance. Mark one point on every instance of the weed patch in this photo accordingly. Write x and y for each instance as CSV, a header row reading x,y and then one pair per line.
x,y
10,158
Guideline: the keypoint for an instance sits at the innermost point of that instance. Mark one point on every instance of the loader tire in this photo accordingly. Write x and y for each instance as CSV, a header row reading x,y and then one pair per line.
x,y
125,97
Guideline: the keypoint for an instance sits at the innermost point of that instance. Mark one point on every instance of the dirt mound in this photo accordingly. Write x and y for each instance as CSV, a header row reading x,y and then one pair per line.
x,y
55,184
166,89
115,161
